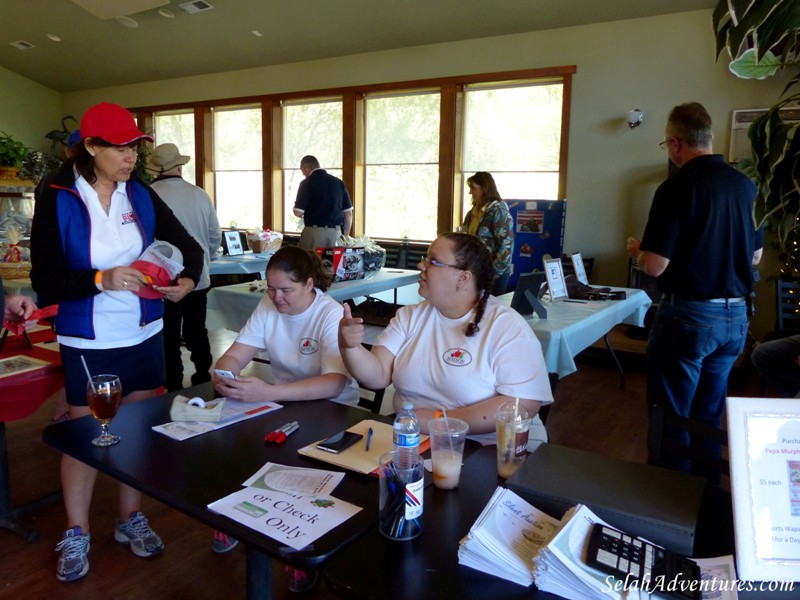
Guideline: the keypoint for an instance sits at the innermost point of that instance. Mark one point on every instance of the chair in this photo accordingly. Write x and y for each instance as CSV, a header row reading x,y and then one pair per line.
x,y
373,404
664,451
787,310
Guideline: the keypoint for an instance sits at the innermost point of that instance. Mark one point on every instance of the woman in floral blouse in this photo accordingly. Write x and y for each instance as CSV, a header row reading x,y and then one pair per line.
x,y
491,221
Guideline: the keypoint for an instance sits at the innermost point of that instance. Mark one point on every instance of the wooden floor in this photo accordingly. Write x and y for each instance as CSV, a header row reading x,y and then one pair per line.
x,y
591,412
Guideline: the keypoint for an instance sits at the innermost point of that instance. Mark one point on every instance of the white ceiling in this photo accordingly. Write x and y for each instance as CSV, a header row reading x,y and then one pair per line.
x,y
95,53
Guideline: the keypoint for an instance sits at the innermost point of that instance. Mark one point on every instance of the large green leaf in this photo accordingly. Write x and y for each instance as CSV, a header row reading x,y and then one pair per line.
x,y
754,18
747,66
783,22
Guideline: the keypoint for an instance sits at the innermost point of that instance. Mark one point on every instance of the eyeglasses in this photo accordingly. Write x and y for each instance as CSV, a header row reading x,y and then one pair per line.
x,y
432,262
663,144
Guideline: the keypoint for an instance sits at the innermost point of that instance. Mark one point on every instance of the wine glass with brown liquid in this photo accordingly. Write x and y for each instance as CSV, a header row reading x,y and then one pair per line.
x,y
104,394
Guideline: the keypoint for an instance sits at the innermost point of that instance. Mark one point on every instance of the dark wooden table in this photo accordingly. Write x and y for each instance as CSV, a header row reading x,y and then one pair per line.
x,y
427,567
376,568
191,474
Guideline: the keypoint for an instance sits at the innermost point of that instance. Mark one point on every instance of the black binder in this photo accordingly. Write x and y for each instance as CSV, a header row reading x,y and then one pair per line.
x,y
645,501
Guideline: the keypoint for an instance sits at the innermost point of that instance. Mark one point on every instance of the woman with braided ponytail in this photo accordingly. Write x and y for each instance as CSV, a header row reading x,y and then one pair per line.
x,y
459,349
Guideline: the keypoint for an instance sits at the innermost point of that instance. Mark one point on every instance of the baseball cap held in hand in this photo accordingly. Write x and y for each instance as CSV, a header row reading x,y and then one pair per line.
x,y
160,263
112,123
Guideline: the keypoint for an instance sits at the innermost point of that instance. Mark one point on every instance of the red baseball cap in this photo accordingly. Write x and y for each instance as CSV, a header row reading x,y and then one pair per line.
x,y
112,123
156,276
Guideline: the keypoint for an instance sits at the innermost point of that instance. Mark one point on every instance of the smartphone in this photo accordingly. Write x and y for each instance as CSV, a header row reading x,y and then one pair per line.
x,y
225,373
339,442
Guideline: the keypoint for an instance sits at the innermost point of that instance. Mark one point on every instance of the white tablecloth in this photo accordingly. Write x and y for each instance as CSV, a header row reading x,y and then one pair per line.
x,y
233,304
572,327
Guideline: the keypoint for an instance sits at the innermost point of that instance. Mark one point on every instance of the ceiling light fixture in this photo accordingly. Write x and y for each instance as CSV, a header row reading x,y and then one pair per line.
x,y
22,45
195,6
127,22
53,37
257,33
167,14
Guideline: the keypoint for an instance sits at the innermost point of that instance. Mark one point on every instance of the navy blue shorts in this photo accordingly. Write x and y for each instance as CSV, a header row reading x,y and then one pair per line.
x,y
139,367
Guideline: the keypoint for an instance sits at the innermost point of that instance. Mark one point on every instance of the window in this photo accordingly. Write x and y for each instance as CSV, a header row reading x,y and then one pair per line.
x,y
402,165
404,148
237,167
308,128
514,132
178,129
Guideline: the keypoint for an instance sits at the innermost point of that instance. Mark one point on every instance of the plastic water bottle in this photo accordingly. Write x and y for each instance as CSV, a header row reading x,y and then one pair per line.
x,y
406,436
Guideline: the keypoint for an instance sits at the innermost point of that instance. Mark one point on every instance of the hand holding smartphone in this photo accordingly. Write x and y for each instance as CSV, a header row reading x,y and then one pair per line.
x,y
225,373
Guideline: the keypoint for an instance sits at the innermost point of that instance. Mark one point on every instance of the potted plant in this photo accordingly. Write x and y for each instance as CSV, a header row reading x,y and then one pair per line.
x,y
12,153
762,39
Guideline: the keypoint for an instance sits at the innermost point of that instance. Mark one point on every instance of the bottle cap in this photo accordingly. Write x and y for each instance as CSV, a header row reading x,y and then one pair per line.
x,y
407,405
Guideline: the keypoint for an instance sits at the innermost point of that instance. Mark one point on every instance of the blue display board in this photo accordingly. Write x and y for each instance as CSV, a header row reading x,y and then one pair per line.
x,y
538,232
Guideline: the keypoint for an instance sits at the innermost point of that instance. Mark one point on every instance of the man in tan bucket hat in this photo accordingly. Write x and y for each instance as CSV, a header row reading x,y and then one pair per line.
x,y
194,210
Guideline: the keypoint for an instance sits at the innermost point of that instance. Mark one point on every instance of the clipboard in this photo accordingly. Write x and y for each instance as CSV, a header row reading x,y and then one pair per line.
x,y
356,458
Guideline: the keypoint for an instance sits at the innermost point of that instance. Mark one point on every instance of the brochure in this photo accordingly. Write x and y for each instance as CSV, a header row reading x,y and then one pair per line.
x,y
506,536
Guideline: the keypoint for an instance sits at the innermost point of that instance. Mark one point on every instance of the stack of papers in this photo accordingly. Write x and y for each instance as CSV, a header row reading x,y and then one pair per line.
x,y
292,505
513,540
559,567
506,536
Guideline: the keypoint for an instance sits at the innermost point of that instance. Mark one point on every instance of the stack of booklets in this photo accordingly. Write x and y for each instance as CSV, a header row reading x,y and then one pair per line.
x,y
513,540
506,536
558,567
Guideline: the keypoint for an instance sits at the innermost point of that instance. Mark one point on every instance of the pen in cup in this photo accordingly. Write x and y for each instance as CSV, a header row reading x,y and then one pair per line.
x,y
369,438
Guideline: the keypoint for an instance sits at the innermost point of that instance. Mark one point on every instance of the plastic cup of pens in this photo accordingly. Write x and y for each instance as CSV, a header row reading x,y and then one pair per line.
x,y
402,481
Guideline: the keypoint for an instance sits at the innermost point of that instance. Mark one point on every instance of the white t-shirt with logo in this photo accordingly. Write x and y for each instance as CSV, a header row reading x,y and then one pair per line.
x,y
300,346
436,365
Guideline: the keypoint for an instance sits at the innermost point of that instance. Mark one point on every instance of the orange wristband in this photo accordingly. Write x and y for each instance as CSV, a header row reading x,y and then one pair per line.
x,y
98,279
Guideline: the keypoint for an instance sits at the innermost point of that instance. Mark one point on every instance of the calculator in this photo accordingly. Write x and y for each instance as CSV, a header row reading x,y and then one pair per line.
x,y
653,568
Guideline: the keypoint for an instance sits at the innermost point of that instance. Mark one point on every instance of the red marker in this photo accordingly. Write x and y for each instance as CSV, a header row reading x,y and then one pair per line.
x,y
273,435
286,433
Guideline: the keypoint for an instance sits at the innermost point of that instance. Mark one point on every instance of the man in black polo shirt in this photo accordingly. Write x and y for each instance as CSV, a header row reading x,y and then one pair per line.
x,y
700,242
324,203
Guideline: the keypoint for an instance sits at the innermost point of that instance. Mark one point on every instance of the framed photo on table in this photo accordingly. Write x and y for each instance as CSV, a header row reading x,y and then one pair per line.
x,y
764,444
579,268
233,242
554,272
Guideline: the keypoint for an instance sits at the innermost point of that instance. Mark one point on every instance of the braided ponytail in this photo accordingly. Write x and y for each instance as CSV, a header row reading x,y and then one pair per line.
x,y
472,255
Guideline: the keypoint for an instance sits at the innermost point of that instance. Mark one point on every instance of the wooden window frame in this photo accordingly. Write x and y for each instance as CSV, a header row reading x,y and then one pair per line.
x,y
451,91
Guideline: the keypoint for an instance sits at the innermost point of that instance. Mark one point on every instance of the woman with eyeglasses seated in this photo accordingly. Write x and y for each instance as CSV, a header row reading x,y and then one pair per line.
x,y
460,349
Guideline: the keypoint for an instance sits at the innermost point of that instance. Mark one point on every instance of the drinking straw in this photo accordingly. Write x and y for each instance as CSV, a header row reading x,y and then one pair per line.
x,y
447,424
516,408
88,374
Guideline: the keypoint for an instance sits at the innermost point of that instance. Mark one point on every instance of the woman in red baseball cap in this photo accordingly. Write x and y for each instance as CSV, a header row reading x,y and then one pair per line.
x,y
93,218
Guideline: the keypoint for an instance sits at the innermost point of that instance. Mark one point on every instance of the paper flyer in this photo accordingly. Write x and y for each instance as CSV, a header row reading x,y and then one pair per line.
x,y
297,481
293,521
233,412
